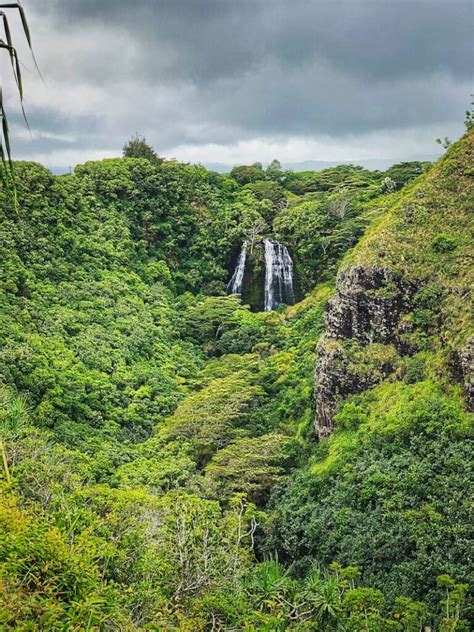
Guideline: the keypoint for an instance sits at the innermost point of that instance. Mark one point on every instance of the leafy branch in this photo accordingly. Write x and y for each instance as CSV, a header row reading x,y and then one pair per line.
x,y
6,43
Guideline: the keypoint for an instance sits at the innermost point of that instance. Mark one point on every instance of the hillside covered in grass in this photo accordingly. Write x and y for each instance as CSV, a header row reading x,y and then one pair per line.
x,y
175,460
386,487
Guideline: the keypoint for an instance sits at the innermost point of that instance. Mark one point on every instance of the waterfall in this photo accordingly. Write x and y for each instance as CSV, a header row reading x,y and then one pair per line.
x,y
235,284
278,283
278,275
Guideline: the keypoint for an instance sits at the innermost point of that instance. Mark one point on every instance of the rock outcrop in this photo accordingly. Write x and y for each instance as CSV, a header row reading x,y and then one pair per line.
x,y
367,305
363,317
463,365
345,368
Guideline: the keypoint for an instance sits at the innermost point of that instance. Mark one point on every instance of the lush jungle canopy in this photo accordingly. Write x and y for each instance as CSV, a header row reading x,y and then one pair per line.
x,y
160,468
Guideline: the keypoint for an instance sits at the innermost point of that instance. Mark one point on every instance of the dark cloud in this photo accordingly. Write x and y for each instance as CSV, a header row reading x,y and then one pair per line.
x,y
210,39
217,71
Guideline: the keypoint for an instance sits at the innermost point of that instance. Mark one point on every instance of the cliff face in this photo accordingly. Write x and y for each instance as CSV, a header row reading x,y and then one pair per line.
x,y
467,367
405,290
363,327
367,305
463,368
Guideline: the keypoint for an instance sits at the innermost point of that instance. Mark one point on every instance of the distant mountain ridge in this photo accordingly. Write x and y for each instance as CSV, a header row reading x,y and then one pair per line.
x,y
318,165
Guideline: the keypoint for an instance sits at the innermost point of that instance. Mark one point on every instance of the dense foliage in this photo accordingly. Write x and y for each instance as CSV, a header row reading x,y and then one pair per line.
x,y
159,469
137,147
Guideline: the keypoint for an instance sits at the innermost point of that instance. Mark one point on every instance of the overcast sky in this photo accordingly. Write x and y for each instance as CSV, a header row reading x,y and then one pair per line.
x,y
236,81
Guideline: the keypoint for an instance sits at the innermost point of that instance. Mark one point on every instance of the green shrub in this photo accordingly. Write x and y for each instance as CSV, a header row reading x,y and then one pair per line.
x,y
444,243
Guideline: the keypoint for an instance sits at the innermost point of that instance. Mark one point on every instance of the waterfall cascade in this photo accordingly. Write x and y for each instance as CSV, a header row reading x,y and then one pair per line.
x,y
278,275
235,284
275,282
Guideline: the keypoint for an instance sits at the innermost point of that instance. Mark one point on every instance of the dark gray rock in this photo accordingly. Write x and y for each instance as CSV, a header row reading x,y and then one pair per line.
x,y
367,308
367,305
467,370
345,369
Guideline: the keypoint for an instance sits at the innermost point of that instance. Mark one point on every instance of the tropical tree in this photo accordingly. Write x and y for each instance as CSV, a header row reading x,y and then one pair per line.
x,y
245,174
251,465
137,147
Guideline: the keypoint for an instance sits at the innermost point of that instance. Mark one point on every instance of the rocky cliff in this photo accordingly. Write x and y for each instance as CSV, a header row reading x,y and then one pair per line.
x,y
405,290
362,339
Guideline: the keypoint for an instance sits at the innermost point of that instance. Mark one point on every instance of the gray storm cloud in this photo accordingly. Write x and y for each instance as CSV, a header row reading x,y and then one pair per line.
x,y
306,76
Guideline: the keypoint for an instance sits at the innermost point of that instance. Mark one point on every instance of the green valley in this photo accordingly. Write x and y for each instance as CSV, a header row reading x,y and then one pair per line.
x,y
174,457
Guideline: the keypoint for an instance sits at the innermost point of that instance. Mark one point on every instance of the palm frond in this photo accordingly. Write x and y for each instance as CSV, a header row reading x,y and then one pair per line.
x,y
7,175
